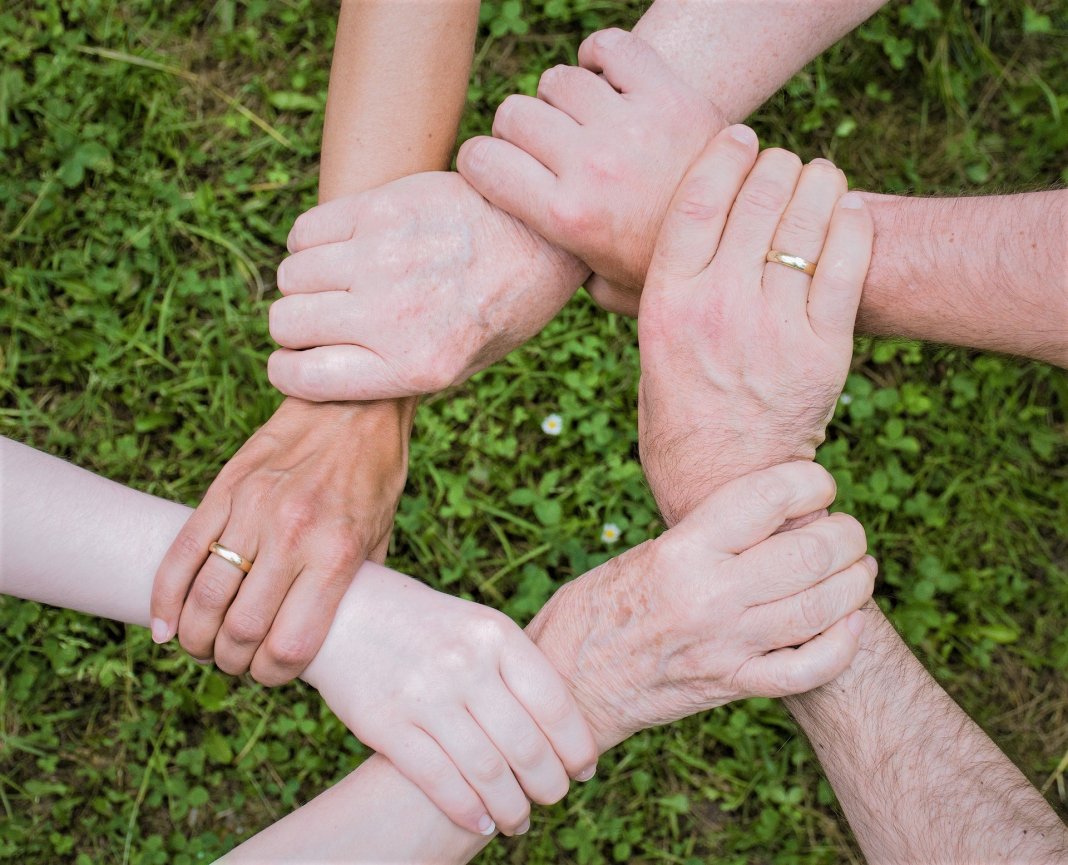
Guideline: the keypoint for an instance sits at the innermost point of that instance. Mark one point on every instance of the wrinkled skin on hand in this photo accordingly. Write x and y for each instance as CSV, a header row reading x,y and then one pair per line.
x,y
709,612
744,359
408,289
593,162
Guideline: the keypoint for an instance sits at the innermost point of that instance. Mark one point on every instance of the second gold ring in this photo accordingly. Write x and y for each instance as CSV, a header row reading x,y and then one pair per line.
x,y
793,261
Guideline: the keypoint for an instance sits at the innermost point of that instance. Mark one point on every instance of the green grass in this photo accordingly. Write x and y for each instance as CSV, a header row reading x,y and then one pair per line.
x,y
154,155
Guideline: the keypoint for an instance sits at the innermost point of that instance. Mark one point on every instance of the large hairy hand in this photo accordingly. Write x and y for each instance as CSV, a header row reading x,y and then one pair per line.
x,y
407,289
456,696
717,609
592,163
308,498
742,359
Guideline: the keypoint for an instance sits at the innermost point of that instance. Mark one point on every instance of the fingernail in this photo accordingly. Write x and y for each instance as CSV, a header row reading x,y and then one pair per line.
x,y
872,564
201,661
486,826
855,623
851,201
819,160
161,632
280,277
522,830
742,133
586,773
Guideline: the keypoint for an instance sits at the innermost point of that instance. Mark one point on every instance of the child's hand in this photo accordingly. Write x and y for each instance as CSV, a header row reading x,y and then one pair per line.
x,y
591,165
456,696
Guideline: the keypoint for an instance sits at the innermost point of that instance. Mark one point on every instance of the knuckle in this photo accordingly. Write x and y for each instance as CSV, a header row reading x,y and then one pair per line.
x,y
552,78
489,768
763,194
290,652
210,593
605,166
436,773
554,791
190,547
812,611
770,490
813,552
803,226
555,707
572,217
296,515
529,751
246,627
699,200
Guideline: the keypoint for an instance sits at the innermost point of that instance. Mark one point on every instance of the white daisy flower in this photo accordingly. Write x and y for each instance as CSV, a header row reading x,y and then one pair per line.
x,y
553,425
610,533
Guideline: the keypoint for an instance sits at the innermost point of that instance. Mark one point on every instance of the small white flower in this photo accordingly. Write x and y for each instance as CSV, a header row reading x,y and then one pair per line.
x,y
610,533
553,425
845,399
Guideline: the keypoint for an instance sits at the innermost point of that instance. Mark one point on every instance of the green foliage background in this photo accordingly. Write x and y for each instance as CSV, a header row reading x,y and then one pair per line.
x,y
154,155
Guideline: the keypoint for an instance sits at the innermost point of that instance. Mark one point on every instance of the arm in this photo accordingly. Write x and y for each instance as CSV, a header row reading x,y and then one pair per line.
x,y
985,272
498,282
328,476
729,604
982,272
918,779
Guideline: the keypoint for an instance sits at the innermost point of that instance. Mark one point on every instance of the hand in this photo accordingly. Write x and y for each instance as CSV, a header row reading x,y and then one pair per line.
x,y
407,289
743,360
709,612
457,697
591,164
308,498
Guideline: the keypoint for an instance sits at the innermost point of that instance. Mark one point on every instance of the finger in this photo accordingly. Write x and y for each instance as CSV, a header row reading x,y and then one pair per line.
x,y
612,297
249,617
628,62
802,231
749,509
332,222
799,618
484,768
817,662
542,694
790,562
579,93
334,373
760,205
310,320
521,742
423,762
836,287
690,233
536,127
510,178
215,588
318,268
183,561
302,622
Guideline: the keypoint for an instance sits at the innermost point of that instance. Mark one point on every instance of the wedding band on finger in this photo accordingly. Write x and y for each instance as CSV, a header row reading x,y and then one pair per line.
x,y
793,261
235,559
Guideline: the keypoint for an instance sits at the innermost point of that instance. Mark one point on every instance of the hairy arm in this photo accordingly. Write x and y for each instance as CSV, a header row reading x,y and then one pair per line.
x,y
918,780
985,272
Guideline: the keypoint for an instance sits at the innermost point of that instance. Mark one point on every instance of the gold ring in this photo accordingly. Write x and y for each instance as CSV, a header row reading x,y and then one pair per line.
x,y
233,558
794,261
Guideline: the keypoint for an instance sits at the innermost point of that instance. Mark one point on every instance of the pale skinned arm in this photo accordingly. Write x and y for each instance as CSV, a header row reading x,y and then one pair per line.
x,y
732,605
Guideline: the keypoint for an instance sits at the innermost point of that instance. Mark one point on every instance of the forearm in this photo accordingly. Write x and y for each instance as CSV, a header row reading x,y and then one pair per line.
x,y
985,272
739,52
918,780
397,87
